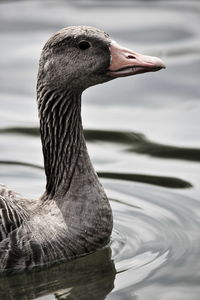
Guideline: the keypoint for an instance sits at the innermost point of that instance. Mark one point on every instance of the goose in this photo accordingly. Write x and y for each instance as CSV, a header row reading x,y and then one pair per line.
x,y
73,217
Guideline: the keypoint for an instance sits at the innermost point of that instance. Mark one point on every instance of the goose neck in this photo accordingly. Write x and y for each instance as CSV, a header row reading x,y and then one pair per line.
x,y
61,135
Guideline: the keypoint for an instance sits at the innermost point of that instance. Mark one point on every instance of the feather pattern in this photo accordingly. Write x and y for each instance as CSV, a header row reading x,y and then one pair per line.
x,y
73,216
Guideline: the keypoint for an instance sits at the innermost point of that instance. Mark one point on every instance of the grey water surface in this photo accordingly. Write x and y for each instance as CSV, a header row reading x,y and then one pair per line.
x,y
143,135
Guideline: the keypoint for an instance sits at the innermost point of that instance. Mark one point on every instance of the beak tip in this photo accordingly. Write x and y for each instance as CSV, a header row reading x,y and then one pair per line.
x,y
159,62
163,65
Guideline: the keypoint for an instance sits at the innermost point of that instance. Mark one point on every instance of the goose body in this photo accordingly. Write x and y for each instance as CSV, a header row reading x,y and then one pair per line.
x,y
73,217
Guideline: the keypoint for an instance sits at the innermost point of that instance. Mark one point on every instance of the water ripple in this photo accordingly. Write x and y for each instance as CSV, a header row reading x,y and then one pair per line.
x,y
155,239
157,233
165,181
135,142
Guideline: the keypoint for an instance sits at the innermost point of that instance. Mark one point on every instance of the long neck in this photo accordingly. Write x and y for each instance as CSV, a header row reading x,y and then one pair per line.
x,y
71,180
62,137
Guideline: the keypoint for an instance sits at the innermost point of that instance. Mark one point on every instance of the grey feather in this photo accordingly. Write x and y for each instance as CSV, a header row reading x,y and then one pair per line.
x,y
73,217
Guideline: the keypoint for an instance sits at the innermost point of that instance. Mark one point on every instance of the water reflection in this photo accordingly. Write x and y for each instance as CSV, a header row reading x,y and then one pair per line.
x,y
135,142
90,277
164,181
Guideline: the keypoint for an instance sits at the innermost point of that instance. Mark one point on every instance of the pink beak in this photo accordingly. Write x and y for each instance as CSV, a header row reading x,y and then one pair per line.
x,y
125,62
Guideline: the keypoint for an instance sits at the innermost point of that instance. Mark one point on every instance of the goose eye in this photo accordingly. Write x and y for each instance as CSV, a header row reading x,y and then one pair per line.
x,y
83,45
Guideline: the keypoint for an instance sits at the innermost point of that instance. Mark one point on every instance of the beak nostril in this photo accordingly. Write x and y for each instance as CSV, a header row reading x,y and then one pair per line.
x,y
131,56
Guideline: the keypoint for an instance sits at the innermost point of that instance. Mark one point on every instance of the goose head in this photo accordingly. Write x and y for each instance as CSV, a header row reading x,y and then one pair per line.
x,y
83,56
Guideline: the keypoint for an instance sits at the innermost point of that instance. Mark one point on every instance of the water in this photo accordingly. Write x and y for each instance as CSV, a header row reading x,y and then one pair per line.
x,y
143,138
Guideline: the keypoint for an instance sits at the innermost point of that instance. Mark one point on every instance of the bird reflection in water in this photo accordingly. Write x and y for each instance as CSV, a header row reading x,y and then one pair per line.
x,y
89,277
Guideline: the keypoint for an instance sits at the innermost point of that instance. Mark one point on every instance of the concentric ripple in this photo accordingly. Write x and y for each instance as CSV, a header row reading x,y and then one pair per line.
x,y
156,235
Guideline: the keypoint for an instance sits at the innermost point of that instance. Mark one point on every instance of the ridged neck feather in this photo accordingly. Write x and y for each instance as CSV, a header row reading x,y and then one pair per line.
x,y
61,135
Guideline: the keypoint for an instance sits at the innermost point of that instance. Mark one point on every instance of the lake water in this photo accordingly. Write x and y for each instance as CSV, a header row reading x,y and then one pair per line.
x,y
143,135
